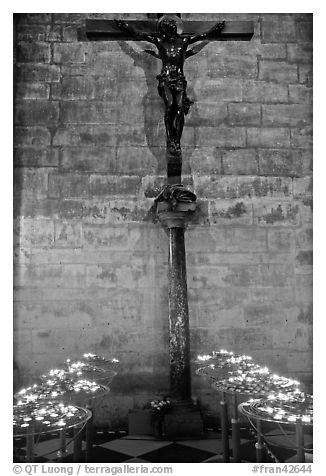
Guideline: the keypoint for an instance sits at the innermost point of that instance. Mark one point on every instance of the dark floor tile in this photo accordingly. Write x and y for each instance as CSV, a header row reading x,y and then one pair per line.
x,y
176,453
103,455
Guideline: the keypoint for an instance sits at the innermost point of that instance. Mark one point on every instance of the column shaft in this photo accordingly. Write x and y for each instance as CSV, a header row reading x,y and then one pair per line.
x,y
178,317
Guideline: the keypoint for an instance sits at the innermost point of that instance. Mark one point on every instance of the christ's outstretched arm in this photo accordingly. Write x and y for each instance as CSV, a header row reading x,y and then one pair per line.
x,y
215,30
139,35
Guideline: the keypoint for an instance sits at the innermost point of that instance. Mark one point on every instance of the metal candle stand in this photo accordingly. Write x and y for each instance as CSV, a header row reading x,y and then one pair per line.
x,y
34,428
237,375
249,409
67,386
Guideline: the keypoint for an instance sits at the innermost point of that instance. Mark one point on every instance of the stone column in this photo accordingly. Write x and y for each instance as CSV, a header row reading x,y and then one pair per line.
x,y
178,317
175,222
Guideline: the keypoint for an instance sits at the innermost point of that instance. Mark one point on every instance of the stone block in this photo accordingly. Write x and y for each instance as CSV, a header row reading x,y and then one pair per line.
x,y
36,112
22,18
280,31
32,90
215,186
302,187
268,137
269,50
243,239
67,234
264,92
140,422
207,115
222,64
278,214
281,162
141,135
138,160
30,182
36,233
278,71
239,162
206,277
83,112
305,30
89,159
105,185
209,239
69,33
129,211
88,210
299,53
304,257
219,90
204,160
241,114
300,94
101,236
306,75
37,206
32,136
22,341
302,137
230,213
86,135
37,72
272,294
70,53
68,185
36,157
264,187
280,240
183,422
304,238
28,52
262,314
293,115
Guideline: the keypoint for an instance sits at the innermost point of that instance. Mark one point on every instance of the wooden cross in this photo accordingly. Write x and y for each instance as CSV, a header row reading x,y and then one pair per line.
x,y
172,51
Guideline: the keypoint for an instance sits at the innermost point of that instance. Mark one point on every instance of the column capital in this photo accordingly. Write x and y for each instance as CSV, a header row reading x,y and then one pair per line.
x,y
176,217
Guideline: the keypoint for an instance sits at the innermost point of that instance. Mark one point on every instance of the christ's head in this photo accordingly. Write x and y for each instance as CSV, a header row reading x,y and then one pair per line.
x,y
168,28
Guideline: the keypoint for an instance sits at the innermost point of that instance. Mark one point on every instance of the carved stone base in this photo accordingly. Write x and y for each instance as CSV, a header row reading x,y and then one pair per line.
x,y
176,218
184,420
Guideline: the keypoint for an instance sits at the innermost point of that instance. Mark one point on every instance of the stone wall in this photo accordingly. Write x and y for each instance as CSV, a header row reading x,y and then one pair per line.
x,y
90,264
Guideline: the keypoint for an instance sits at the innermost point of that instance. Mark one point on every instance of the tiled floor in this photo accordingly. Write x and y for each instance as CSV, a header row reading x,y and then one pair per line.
x,y
141,449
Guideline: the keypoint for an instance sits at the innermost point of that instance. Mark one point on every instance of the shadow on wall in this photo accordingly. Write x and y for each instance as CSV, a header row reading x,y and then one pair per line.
x,y
153,107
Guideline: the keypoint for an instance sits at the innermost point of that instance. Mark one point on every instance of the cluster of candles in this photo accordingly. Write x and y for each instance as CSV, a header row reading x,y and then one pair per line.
x,y
40,417
241,374
62,388
283,408
65,384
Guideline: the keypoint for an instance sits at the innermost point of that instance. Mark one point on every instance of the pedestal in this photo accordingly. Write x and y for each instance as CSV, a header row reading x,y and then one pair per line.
x,y
184,420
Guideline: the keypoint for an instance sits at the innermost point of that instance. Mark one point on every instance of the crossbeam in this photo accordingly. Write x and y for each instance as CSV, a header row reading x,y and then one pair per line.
x,y
107,30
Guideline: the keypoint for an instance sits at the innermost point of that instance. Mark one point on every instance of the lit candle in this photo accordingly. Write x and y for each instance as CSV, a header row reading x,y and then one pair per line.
x,y
306,418
292,418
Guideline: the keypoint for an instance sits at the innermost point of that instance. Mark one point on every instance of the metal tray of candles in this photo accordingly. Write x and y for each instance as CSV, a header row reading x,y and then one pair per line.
x,y
100,362
221,367
44,417
63,389
88,371
259,382
284,408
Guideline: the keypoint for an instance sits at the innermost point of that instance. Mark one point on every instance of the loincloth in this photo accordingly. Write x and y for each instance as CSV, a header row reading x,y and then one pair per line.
x,y
176,82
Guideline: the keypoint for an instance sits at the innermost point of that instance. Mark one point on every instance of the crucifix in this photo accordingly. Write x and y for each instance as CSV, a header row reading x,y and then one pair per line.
x,y
174,204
